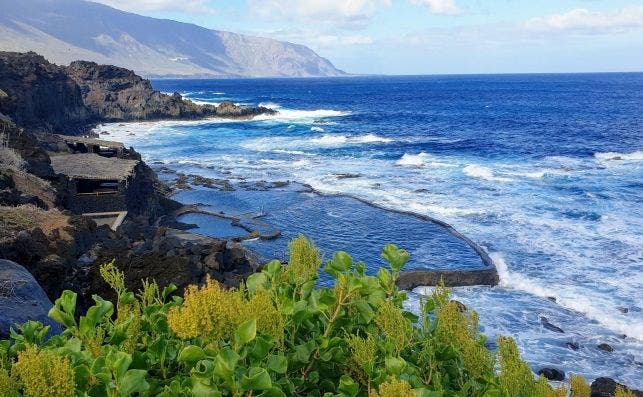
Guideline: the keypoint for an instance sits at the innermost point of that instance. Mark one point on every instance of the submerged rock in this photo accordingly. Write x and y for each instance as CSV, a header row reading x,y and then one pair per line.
x,y
21,299
545,322
605,347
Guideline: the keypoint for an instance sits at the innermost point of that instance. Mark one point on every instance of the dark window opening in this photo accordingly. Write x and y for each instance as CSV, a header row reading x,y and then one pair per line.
x,y
89,186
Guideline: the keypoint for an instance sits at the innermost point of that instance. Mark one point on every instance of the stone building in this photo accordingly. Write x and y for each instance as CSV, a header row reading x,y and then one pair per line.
x,y
95,184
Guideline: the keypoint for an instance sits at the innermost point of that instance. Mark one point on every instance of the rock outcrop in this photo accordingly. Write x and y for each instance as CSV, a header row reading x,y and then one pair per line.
x,y
606,387
115,94
44,97
172,256
40,95
21,299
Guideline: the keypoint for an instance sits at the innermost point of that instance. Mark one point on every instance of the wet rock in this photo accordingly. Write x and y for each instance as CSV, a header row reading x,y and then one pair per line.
x,y
452,278
545,322
347,176
552,374
606,387
573,345
605,347
623,309
21,299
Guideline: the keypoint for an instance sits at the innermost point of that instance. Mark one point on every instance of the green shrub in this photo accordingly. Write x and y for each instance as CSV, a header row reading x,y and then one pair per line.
x,y
276,335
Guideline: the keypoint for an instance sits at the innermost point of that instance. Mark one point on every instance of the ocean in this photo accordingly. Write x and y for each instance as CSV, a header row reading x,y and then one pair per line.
x,y
542,171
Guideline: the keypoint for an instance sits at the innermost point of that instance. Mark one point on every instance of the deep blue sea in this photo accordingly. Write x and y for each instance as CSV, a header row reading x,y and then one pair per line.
x,y
545,172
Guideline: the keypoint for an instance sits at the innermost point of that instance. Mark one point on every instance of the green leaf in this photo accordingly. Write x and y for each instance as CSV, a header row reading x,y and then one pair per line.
x,y
347,386
191,354
340,263
272,269
273,392
203,369
167,291
95,314
246,332
422,392
366,312
68,302
64,309
262,346
226,362
119,362
396,257
256,281
257,379
202,390
384,277
278,364
133,382
395,365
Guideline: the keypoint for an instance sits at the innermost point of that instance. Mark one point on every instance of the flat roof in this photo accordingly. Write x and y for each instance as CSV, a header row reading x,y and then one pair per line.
x,y
93,166
92,141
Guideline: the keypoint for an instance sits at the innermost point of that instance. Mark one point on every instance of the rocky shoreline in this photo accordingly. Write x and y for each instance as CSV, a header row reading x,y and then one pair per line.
x,y
47,245
42,226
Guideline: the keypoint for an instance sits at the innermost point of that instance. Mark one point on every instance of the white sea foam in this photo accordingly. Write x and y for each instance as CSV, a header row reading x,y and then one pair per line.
x,y
270,105
412,160
590,306
204,102
607,156
480,172
323,141
317,129
291,115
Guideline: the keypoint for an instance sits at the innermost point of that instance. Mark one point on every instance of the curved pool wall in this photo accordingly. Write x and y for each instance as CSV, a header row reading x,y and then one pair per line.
x,y
337,223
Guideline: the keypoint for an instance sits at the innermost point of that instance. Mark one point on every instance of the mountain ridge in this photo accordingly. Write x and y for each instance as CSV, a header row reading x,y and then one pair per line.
x,y
67,30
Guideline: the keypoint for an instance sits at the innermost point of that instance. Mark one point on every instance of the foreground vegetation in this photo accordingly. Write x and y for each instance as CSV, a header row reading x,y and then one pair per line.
x,y
277,335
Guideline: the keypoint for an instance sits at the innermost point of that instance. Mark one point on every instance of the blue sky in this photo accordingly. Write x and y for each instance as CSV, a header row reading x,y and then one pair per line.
x,y
433,36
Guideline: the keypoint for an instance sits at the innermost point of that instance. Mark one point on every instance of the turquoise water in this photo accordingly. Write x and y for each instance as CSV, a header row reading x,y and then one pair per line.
x,y
543,171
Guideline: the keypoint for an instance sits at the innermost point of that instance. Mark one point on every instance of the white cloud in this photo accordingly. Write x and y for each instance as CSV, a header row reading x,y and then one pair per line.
x,y
340,41
186,6
593,22
441,7
348,13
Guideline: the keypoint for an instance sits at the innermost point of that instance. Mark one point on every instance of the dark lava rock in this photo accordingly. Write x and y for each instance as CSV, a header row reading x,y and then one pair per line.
x,y
40,95
452,278
545,322
605,347
552,374
115,93
606,387
21,299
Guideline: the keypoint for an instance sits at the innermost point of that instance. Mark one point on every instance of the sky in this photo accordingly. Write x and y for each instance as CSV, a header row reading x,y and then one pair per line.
x,y
432,36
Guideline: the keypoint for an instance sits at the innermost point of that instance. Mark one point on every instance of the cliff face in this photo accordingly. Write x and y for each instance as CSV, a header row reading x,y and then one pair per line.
x,y
44,97
40,96
115,94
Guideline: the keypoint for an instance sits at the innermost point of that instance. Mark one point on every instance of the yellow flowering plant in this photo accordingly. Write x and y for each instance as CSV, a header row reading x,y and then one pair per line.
x,y
278,334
